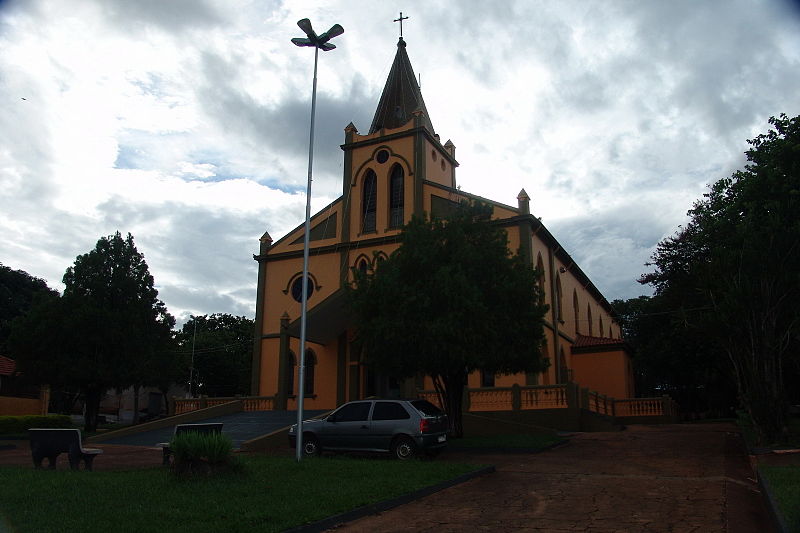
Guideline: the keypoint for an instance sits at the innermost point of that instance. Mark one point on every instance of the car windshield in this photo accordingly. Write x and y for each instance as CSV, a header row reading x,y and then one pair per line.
x,y
426,408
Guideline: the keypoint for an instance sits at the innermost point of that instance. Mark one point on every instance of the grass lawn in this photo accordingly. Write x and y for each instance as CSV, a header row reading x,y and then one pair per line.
x,y
511,441
270,494
785,484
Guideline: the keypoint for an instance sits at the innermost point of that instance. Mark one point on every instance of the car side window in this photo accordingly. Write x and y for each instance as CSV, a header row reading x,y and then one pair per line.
x,y
354,412
389,411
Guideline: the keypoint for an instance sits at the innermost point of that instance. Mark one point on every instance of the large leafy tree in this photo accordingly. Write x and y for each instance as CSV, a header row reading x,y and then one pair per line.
x,y
451,300
222,347
109,329
18,291
673,356
737,264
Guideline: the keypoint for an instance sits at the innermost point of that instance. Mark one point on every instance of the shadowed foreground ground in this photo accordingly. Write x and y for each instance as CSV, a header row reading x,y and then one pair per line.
x,y
682,478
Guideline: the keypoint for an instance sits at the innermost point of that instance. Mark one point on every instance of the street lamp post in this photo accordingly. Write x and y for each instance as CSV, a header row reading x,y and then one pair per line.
x,y
317,41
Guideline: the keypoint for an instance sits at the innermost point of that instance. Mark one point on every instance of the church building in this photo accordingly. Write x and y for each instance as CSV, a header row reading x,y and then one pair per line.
x,y
399,168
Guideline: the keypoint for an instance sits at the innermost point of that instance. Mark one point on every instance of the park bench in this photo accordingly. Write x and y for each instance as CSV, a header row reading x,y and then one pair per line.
x,y
210,427
52,442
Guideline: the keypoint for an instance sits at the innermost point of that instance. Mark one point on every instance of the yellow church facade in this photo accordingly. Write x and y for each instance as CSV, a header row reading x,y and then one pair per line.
x,y
397,169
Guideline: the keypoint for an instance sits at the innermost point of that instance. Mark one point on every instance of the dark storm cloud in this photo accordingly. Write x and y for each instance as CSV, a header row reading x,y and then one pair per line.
x,y
207,252
170,16
612,247
723,71
282,129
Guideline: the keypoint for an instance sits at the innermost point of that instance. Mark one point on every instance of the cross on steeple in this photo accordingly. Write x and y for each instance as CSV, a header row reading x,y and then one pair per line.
x,y
400,20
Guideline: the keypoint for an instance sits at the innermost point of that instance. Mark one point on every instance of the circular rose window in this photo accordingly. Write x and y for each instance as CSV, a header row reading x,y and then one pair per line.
x,y
382,156
297,289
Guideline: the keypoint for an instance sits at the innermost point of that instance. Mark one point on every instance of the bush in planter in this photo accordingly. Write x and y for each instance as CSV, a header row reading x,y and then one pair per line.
x,y
202,453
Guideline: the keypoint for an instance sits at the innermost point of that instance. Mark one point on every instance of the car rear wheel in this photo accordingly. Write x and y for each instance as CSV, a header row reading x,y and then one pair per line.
x,y
310,446
404,448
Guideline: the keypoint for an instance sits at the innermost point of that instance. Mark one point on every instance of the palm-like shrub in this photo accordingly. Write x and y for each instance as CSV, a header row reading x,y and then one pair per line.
x,y
201,453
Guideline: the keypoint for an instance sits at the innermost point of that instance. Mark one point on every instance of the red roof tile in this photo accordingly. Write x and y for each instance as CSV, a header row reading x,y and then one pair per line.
x,y
7,366
584,341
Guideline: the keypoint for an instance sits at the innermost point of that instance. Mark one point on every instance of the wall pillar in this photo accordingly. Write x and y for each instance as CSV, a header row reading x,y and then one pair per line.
x,y
283,364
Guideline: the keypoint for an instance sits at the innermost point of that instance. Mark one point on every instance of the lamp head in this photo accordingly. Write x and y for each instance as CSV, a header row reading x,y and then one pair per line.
x,y
319,41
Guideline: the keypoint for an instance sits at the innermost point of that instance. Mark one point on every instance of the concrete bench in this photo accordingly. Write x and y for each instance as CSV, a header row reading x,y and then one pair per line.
x,y
52,442
211,427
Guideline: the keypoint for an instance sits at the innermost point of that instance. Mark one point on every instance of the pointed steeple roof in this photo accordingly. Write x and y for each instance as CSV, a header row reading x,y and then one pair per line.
x,y
401,95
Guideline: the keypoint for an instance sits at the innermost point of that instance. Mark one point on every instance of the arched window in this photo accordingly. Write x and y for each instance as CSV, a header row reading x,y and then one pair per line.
x,y
559,299
540,279
369,202
576,311
289,376
487,379
396,197
589,317
363,266
311,363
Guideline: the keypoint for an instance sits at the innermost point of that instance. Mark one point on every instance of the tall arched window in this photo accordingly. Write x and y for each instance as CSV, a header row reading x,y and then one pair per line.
x,y
559,299
576,311
589,317
289,376
540,279
369,201
396,197
311,363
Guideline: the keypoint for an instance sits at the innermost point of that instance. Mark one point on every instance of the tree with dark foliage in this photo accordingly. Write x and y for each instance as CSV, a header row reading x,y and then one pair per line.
x,y
451,300
18,291
673,356
222,353
105,331
738,261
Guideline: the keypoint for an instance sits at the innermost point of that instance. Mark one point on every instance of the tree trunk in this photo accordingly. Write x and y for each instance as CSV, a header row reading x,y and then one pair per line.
x,y
450,389
92,394
135,404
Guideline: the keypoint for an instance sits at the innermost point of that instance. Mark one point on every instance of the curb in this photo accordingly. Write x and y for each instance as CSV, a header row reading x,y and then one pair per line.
x,y
379,507
775,513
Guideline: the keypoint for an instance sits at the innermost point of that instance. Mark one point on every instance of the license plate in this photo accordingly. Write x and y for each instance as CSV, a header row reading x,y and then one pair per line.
x,y
442,438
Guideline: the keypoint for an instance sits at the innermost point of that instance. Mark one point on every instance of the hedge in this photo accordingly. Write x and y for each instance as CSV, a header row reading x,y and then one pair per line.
x,y
20,424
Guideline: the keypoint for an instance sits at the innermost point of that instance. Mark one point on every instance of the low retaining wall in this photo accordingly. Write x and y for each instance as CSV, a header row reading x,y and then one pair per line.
x,y
13,406
235,406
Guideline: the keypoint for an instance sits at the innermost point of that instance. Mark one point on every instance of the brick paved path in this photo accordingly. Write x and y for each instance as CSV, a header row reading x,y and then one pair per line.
x,y
682,478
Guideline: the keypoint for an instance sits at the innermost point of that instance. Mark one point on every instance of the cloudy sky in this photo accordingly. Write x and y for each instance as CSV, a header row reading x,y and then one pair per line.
x,y
185,122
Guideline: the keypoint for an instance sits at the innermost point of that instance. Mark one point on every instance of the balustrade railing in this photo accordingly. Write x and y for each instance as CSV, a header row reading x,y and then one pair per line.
x,y
559,397
544,397
493,399
498,399
249,403
643,406
602,404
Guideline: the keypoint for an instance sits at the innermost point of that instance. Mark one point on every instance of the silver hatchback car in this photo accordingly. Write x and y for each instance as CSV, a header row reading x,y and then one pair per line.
x,y
404,428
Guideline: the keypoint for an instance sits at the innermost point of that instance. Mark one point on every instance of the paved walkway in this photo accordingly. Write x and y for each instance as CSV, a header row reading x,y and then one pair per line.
x,y
682,478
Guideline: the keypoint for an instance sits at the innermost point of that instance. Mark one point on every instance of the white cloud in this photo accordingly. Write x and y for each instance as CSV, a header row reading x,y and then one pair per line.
x,y
186,122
